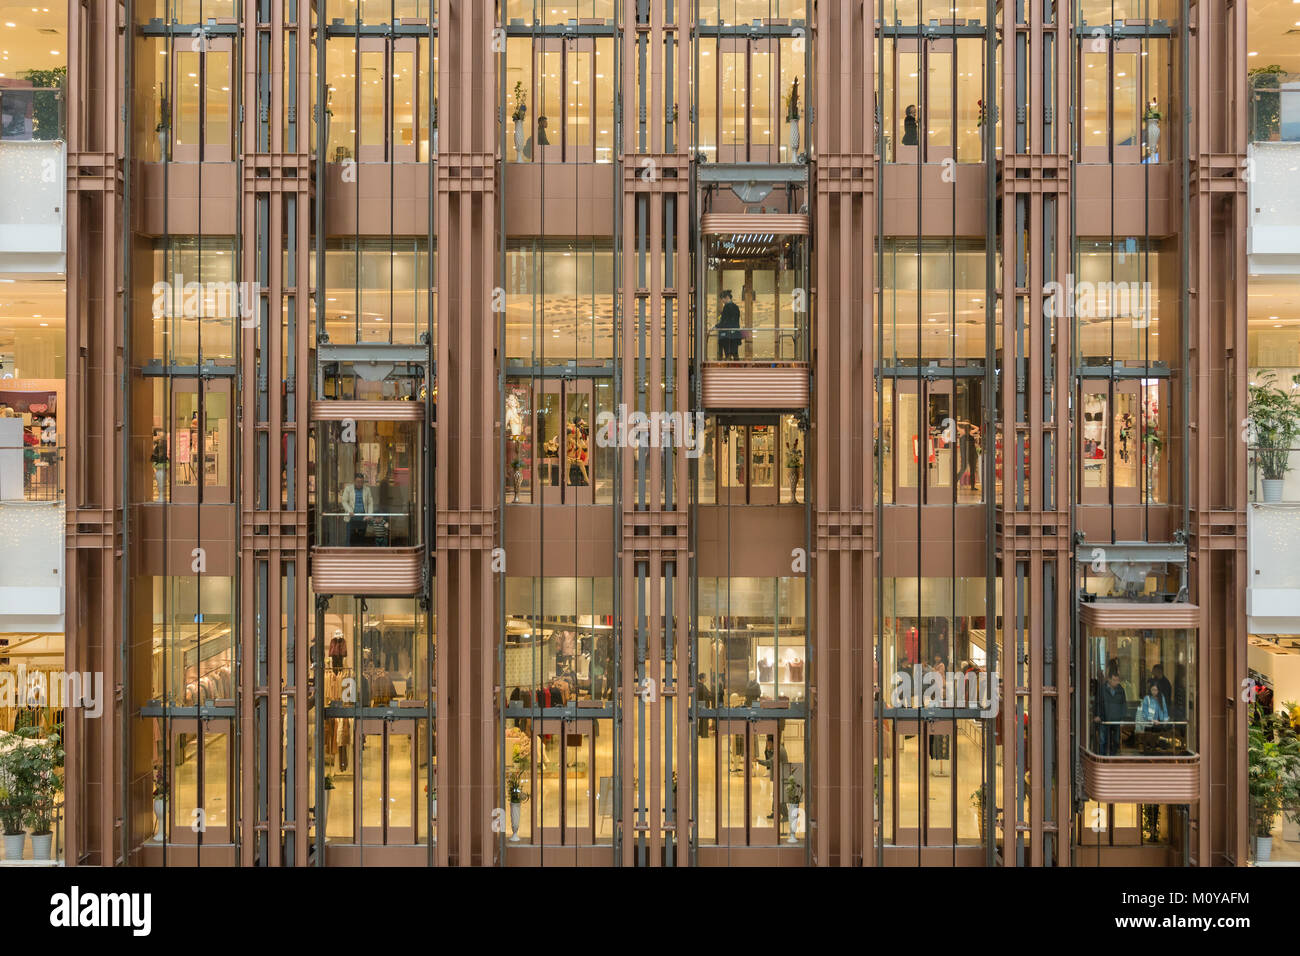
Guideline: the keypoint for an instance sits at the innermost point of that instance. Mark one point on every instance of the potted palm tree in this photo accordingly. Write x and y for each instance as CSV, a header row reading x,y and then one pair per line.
x,y
11,816
1273,414
41,763
793,797
1273,770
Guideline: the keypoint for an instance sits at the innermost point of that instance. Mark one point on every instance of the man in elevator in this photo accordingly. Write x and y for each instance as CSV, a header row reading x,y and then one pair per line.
x,y
728,328
357,501
1112,712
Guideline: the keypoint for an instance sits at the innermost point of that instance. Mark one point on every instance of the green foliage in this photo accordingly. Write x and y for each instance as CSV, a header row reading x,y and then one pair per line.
x,y
1274,416
521,102
1273,771
1266,101
793,790
792,102
29,770
47,106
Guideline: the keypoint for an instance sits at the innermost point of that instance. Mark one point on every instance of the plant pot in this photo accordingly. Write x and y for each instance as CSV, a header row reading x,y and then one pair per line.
x,y
1153,135
1273,490
792,812
433,810
794,140
160,816
1263,848
519,141
14,843
162,145
514,822
435,141
42,845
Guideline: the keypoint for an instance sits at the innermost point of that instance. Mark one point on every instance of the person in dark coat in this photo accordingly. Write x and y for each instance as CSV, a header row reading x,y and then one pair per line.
x,y
728,327
910,127
1112,710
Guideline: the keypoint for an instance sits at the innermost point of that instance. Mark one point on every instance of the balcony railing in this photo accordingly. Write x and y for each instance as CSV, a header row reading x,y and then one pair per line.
x,y
1281,462
31,114
753,344
1274,104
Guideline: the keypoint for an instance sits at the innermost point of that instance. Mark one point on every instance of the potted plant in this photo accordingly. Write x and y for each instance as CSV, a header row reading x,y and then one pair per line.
x,y
515,791
1273,768
793,797
520,112
11,816
1152,117
164,124
792,117
977,801
1266,103
1273,414
794,462
40,765
160,803
324,819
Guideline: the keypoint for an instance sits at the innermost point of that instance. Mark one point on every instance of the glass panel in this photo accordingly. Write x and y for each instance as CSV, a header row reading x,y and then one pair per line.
x,y
216,780
217,107
371,765
1095,69
939,106
1128,105
372,83
368,487
1142,691
734,97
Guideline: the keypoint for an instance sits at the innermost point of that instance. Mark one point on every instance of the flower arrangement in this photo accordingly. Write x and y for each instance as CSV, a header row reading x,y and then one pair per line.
x,y
521,103
1152,111
160,782
792,102
981,113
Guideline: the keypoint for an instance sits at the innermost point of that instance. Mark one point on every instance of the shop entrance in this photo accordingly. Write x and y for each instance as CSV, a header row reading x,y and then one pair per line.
x,y
388,768
749,458
921,791
564,454
931,441
751,765
199,441
576,804
1119,440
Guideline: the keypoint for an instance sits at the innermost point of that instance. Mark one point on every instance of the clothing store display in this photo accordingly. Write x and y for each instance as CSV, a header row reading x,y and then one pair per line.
x,y
795,667
764,670
338,652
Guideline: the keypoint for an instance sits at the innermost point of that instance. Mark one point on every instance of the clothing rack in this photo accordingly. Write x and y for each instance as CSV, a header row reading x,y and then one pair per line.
x,y
26,714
